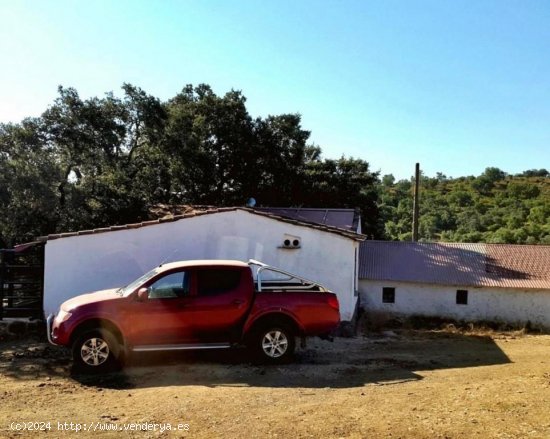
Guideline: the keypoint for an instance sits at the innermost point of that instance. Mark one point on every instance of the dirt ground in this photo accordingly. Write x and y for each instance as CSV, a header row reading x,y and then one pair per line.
x,y
403,384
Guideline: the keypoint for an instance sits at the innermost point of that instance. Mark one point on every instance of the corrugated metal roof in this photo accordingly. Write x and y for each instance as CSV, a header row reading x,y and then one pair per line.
x,y
340,218
490,265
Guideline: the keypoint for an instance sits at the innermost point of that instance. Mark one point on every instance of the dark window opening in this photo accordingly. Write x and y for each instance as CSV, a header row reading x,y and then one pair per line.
x,y
355,289
217,281
388,295
462,297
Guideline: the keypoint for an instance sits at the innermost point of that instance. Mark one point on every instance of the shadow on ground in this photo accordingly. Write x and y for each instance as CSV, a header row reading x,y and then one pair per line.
x,y
346,363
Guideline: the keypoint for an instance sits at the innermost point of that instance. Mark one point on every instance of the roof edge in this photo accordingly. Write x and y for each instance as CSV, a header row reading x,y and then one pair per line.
x,y
467,285
325,228
173,218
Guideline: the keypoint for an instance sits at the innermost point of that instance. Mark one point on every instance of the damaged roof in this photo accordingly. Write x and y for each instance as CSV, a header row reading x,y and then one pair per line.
x,y
341,218
481,265
165,213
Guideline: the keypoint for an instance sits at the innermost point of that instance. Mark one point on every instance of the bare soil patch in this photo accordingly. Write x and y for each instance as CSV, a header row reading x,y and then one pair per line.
x,y
407,383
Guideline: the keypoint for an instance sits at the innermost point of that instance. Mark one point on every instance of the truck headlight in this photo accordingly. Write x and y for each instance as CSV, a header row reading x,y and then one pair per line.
x,y
62,316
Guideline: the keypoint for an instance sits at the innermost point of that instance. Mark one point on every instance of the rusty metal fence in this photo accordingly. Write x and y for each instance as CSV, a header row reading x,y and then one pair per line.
x,y
22,281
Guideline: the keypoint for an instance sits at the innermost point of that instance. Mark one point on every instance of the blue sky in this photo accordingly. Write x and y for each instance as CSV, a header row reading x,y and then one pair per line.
x,y
457,85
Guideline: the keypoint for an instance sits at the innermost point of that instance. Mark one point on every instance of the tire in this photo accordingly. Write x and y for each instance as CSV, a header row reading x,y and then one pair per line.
x,y
96,351
273,344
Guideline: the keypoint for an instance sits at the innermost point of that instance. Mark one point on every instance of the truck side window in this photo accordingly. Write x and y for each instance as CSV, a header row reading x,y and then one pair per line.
x,y
216,281
172,285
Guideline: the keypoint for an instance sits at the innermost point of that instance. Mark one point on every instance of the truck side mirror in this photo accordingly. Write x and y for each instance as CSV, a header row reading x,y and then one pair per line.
x,y
143,294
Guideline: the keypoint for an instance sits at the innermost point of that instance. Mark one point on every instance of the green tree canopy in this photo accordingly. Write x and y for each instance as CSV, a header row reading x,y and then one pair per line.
x,y
87,163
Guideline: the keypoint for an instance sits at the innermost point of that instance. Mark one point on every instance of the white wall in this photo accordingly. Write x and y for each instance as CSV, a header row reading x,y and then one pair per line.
x,y
79,264
511,306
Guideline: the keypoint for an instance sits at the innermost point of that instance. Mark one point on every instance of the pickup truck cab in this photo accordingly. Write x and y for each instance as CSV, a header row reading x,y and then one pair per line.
x,y
201,304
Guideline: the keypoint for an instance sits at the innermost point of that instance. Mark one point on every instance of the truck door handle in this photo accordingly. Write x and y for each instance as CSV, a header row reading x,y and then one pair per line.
x,y
238,302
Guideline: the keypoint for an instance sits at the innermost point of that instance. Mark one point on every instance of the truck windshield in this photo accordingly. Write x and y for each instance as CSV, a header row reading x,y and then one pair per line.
x,y
125,291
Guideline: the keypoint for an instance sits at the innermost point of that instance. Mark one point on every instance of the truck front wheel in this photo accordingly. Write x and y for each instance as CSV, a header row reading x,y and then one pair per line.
x,y
96,351
273,343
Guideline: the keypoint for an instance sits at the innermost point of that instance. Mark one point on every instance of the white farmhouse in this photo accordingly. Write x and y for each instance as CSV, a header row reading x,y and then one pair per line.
x,y
492,282
302,241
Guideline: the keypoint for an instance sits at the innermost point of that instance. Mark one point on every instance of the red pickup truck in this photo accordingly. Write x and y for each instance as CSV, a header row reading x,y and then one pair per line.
x,y
208,304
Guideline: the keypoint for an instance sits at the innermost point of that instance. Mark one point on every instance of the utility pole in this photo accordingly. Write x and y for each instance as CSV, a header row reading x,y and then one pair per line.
x,y
415,203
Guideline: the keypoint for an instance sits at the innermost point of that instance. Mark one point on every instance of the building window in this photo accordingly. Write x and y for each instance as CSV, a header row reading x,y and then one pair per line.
x,y
388,295
462,297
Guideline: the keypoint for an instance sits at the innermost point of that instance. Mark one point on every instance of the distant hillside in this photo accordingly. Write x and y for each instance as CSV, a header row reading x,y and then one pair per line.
x,y
494,207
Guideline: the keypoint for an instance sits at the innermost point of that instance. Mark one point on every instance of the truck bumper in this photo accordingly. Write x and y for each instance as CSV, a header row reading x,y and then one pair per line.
x,y
49,324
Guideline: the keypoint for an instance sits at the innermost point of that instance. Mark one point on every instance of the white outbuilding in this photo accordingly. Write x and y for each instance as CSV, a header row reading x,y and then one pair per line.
x,y
324,249
472,282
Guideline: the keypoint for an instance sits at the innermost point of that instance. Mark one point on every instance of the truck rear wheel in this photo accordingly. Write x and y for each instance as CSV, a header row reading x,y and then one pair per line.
x,y
273,343
96,351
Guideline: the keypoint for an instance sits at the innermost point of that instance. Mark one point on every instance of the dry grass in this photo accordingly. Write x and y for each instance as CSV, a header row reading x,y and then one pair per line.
x,y
380,321
439,383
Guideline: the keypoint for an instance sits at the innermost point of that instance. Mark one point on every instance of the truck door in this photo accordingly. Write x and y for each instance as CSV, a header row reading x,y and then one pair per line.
x,y
223,296
163,318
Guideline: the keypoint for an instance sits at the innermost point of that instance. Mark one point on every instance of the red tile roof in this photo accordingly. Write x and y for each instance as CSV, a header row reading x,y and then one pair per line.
x,y
168,215
488,265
